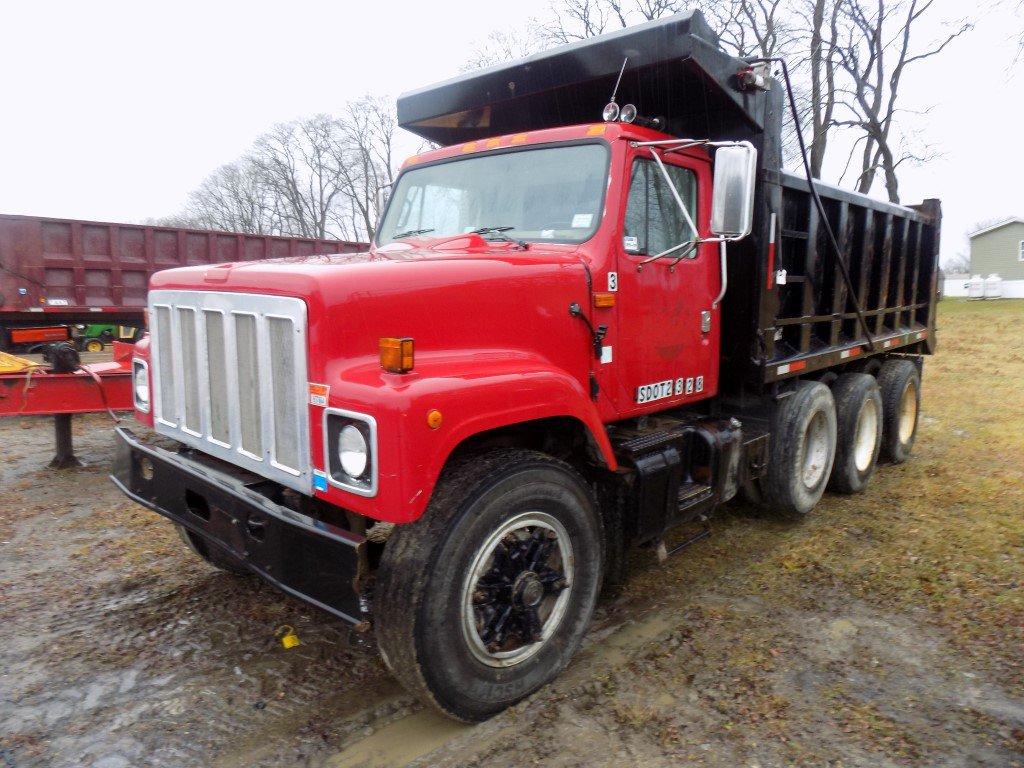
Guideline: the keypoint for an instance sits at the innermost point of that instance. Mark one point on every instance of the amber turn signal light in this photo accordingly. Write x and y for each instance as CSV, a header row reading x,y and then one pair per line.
x,y
604,300
396,355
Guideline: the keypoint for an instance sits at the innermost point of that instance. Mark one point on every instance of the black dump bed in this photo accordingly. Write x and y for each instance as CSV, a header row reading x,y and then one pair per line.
x,y
773,326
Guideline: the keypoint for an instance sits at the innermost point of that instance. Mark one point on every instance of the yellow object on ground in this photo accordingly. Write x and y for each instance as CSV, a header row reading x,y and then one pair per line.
x,y
11,364
288,637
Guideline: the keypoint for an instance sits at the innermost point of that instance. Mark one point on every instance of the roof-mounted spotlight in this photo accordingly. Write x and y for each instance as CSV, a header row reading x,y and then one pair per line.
x,y
628,113
610,113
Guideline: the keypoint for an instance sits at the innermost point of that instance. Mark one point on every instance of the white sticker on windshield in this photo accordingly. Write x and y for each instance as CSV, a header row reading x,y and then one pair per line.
x,y
549,233
582,220
631,243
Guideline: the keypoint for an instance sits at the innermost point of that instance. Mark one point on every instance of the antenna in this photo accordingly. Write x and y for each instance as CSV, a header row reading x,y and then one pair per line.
x,y
619,81
611,109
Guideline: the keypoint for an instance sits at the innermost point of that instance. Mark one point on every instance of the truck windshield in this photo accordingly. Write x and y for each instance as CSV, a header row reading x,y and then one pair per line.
x,y
553,194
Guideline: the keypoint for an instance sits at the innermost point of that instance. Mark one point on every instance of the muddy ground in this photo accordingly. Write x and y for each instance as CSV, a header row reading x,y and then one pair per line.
x,y
885,630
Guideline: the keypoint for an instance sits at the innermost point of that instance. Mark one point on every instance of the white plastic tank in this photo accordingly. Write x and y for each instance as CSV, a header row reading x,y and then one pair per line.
x,y
976,287
993,287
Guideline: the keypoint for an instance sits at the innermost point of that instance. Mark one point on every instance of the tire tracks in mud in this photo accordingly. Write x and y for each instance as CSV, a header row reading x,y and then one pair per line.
x,y
609,644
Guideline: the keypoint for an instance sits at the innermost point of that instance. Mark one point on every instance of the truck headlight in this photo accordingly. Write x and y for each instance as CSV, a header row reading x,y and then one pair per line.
x,y
350,451
353,453
140,385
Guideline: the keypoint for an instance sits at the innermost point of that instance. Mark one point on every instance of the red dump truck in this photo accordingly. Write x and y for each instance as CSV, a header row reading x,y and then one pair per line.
x,y
601,310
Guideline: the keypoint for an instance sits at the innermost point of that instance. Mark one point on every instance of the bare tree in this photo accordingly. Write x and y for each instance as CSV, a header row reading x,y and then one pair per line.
x,y
579,19
958,264
761,28
363,149
300,172
233,198
505,45
824,18
316,177
874,55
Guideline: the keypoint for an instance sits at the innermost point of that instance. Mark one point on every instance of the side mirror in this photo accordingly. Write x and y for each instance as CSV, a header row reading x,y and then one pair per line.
x,y
732,205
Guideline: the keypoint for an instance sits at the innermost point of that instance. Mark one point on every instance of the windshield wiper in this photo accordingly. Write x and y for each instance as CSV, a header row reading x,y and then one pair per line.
x,y
411,232
498,233
489,230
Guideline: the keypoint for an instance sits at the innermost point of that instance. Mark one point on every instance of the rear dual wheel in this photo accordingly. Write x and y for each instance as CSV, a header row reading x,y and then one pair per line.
x,y
900,384
486,597
859,416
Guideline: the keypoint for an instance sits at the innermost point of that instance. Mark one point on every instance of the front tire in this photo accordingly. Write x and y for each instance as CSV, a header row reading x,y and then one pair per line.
x,y
802,449
485,598
210,553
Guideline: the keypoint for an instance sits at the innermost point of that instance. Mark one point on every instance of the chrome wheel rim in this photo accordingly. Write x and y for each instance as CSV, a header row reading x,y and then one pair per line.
x,y
517,589
908,412
866,436
815,453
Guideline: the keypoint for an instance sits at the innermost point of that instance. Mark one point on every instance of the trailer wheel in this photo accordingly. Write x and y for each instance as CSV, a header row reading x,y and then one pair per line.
x,y
802,449
486,597
900,384
859,431
212,555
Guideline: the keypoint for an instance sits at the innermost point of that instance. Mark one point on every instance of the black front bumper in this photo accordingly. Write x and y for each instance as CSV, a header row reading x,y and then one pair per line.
x,y
308,558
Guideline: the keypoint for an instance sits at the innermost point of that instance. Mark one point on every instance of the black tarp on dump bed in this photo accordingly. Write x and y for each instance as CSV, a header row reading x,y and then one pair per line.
x,y
676,70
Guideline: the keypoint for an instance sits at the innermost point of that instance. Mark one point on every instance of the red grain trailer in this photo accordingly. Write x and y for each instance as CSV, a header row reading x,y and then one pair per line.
x,y
87,271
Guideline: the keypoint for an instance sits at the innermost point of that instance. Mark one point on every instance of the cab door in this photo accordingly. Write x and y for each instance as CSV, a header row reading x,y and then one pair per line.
x,y
667,333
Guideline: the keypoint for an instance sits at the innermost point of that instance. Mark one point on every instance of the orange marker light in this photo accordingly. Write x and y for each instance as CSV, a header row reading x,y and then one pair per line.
x,y
434,419
604,300
396,355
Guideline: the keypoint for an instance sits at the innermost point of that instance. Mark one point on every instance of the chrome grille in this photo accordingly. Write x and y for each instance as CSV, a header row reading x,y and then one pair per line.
x,y
230,378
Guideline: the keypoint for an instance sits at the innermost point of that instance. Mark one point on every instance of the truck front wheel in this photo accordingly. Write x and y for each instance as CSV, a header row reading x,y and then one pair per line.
x,y
210,553
802,449
485,598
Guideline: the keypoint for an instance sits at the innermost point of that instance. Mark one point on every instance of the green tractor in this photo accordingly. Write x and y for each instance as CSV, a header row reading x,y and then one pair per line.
x,y
94,337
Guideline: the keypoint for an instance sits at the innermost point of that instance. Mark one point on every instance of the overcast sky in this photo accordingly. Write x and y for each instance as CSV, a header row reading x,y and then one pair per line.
x,y
114,111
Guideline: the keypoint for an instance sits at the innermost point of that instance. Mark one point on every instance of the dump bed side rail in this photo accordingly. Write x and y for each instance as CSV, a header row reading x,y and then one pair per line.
x,y
808,318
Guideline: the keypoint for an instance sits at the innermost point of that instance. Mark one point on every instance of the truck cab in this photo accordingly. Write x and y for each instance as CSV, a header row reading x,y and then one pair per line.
x,y
592,193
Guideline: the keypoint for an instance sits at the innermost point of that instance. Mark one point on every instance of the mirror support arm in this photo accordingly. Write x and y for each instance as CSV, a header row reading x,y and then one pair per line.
x,y
675,194
725,274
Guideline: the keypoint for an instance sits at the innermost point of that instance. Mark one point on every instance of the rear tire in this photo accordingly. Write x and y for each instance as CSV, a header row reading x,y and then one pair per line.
x,y
859,431
802,449
445,581
900,384
210,553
